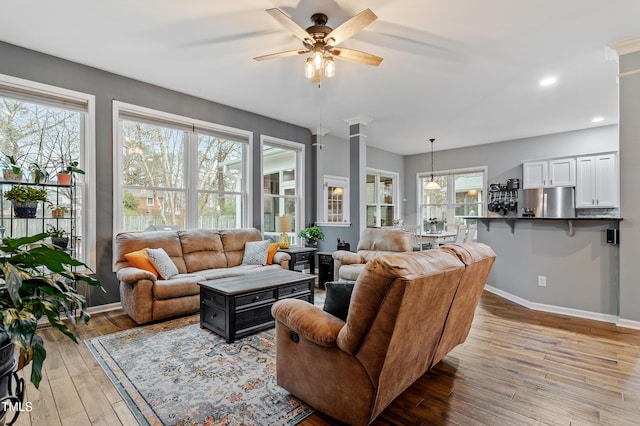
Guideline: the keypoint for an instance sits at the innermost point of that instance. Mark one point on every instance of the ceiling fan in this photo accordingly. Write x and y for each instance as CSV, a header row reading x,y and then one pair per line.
x,y
320,41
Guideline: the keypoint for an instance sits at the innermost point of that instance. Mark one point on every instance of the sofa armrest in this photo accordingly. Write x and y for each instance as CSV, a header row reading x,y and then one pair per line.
x,y
281,257
347,257
308,320
131,274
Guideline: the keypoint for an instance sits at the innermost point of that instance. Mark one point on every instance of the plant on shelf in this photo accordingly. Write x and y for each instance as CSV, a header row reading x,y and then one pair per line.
x,y
25,199
40,175
58,212
59,237
37,282
312,235
11,169
67,171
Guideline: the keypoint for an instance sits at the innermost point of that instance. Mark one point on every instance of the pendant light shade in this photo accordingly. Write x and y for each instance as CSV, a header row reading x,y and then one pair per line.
x,y
432,184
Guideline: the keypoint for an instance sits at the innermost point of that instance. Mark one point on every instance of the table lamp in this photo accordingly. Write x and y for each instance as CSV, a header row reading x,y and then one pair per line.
x,y
283,225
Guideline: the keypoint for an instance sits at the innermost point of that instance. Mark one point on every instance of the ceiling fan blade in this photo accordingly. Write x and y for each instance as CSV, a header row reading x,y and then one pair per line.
x,y
356,56
289,24
281,54
351,27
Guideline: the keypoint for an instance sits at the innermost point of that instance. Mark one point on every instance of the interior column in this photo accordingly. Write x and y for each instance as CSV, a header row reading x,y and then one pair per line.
x,y
358,171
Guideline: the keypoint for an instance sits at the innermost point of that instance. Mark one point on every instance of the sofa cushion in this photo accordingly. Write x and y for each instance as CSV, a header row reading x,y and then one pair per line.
x,y
179,286
255,253
337,298
140,259
162,262
126,242
202,249
233,241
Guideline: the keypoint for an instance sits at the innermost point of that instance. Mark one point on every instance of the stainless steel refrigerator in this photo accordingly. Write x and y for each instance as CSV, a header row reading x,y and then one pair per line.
x,y
550,202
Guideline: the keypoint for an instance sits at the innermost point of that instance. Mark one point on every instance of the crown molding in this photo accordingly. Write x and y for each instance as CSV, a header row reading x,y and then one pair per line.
x,y
321,131
627,45
358,119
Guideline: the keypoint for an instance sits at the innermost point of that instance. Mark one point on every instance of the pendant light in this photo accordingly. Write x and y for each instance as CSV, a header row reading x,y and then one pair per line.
x,y
432,184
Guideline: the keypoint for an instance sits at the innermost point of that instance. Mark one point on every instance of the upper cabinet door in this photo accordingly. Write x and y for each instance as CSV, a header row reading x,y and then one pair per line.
x,y
534,174
597,183
562,172
606,184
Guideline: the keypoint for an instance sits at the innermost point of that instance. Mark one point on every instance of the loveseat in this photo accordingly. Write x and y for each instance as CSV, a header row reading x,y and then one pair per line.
x,y
198,254
373,243
406,312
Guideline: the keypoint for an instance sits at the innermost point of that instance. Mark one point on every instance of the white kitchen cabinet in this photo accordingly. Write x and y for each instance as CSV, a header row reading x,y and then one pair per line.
x,y
597,181
549,173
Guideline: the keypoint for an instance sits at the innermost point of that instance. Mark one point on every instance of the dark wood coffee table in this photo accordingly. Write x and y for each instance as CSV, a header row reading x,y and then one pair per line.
x,y
238,306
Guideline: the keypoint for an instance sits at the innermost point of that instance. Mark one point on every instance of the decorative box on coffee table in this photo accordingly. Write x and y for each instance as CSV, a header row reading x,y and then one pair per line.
x,y
238,306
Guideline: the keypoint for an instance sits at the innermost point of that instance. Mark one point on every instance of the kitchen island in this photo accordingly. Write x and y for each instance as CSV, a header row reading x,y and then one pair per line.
x,y
562,265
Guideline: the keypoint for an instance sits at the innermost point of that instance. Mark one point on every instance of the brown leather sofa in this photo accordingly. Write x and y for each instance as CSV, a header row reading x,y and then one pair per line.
x,y
407,311
373,243
198,254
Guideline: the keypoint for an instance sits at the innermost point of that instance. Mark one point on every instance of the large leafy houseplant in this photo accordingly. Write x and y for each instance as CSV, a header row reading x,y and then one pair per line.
x,y
35,282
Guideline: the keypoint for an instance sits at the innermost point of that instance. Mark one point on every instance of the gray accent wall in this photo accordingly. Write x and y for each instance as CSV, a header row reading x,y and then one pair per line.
x,y
629,180
336,160
106,87
582,270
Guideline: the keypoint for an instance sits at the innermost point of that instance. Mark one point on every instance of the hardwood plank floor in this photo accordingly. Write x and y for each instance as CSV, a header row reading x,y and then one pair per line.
x,y
517,367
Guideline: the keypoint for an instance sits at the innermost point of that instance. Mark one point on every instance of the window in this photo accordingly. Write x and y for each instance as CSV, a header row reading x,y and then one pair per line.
x,y
382,196
336,199
461,194
45,126
179,173
282,184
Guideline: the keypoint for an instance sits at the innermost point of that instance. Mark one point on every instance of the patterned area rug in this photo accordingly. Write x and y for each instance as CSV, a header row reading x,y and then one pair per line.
x,y
175,373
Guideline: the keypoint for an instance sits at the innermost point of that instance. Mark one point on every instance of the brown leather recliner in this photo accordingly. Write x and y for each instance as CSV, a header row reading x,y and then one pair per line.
x,y
373,243
407,310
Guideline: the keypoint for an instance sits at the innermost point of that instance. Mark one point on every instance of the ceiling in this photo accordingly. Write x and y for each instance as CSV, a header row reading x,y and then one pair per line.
x,y
465,72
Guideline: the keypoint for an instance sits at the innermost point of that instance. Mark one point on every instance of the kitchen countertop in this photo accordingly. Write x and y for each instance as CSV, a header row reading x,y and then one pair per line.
x,y
511,220
543,218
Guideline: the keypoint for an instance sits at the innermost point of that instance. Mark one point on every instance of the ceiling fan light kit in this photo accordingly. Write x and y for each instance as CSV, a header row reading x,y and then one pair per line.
x,y
319,41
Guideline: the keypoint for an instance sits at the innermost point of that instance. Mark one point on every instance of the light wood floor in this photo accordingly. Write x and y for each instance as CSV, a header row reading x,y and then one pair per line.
x,y
518,367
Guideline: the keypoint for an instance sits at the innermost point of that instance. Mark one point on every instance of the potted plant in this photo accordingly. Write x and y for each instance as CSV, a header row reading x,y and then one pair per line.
x,y
25,199
37,283
58,212
59,236
40,175
312,235
66,172
12,171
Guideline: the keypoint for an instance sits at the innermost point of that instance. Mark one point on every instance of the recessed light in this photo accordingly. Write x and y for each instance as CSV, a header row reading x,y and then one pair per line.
x,y
548,81
597,119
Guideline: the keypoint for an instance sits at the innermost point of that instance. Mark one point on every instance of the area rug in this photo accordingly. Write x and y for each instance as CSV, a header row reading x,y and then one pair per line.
x,y
175,373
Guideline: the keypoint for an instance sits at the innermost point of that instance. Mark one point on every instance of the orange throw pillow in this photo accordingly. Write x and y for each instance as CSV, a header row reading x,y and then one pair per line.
x,y
139,259
273,248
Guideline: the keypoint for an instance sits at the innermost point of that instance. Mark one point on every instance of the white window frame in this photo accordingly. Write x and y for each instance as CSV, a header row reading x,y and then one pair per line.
x,y
190,184
336,181
299,181
451,196
396,193
87,182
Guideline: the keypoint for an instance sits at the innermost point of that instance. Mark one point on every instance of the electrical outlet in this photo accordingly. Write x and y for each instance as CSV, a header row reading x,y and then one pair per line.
x,y
542,281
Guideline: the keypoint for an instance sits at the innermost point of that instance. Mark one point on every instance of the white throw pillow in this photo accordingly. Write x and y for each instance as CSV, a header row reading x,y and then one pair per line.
x,y
162,262
255,252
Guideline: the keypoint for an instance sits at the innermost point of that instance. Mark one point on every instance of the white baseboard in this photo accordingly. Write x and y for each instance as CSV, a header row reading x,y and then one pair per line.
x,y
628,324
104,308
557,309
